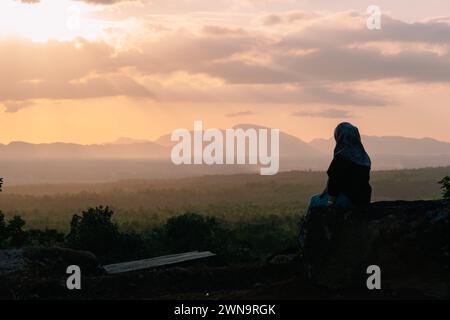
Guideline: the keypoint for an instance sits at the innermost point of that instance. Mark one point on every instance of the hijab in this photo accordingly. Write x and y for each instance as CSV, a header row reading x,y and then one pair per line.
x,y
349,145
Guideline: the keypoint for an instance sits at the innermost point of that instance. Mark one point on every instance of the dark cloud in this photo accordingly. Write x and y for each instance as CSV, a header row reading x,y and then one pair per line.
x,y
344,97
328,34
216,30
278,19
99,86
83,69
272,19
62,70
14,106
270,94
327,113
221,52
253,67
239,114
342,64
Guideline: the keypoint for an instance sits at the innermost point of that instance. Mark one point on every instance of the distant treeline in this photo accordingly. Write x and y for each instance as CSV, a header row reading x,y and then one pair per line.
x,y
143,204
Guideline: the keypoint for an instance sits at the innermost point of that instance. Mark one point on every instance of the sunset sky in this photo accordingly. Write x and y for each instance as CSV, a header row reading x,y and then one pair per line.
x,y
95,70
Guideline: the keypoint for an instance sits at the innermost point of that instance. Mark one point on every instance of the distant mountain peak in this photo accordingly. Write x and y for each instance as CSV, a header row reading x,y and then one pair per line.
x,y
246,126
12,143
125,140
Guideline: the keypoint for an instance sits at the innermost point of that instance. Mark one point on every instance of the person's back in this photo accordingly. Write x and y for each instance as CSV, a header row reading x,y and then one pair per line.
x,y
349,172
350,179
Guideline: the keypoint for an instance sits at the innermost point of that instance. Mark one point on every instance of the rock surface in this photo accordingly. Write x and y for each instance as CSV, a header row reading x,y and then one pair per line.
x,y
409,241
32,272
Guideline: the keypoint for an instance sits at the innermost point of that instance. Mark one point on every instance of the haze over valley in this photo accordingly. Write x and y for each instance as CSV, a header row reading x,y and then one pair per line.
x,y
126,158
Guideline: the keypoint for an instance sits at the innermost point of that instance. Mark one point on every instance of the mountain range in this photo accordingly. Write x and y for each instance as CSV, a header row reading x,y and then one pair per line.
x,y
23,162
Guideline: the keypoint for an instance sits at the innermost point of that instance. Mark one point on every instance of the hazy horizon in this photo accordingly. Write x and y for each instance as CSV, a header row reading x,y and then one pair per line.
x,y
134,140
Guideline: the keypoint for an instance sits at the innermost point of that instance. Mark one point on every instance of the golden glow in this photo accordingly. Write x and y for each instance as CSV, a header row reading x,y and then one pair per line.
x,y
48,19
73,71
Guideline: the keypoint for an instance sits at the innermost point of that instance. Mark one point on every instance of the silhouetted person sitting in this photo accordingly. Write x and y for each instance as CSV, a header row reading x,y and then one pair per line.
x,y
349,172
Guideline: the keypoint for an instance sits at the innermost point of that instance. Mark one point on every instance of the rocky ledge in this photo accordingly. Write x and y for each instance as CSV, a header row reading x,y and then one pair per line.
x,y
408,241
35,272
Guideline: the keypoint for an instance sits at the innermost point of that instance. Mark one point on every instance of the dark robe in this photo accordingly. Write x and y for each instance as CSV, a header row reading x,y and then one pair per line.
x,y
351,179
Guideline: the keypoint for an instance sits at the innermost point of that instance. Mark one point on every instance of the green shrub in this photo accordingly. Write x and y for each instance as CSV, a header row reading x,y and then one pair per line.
x,y
17,236
12,233
192,231
94,231
45,238
445,186
3,231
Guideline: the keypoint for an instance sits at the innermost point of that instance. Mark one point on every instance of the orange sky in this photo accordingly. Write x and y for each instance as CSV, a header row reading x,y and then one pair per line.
x,y
81,71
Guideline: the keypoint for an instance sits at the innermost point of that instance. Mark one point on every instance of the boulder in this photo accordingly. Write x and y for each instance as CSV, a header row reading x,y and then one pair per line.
x,y
28,272
409,241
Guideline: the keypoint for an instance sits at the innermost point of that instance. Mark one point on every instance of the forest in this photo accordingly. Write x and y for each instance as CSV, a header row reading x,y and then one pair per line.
x,y
240,217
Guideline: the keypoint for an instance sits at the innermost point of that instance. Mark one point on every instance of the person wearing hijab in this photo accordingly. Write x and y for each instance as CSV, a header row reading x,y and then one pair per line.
x,y
349,172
